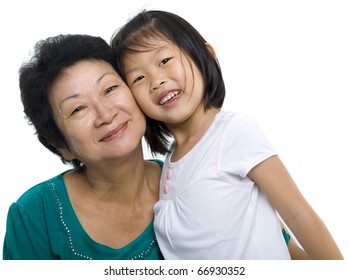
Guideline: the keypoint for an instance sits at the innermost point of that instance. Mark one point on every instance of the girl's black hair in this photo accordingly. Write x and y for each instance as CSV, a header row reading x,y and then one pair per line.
x,y
169,26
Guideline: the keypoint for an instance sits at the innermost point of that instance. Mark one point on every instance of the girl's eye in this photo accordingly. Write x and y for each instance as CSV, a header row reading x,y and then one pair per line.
x,y
138,79
164,61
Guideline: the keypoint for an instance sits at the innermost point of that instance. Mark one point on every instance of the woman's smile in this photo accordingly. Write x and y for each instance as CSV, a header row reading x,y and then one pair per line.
x,y
114,133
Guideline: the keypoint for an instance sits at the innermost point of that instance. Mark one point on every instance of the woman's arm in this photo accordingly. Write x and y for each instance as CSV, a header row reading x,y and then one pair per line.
x,y
25,239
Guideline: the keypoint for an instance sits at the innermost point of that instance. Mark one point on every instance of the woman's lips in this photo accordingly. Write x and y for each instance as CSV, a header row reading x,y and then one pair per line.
x,y
114,132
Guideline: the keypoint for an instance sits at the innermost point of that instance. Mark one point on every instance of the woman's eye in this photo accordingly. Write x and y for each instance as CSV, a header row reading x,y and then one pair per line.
x,y
164,61
77,110
110,89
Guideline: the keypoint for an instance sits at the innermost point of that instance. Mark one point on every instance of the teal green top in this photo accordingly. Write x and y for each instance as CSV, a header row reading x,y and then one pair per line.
x,y
42,225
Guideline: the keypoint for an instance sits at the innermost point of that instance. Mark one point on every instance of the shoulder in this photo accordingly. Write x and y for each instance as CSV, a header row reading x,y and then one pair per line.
x,y
158,161
233,121
153,173
154,167
238,127
38,196
243,143
236,120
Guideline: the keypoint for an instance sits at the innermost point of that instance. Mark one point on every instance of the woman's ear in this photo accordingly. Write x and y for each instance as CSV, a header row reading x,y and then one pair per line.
x,y
211,50
67,154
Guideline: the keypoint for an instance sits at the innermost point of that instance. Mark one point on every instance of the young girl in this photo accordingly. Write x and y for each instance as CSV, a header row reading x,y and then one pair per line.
x,y
222,183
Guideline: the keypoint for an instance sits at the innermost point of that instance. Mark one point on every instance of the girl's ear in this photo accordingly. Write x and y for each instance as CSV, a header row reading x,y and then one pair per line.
x,y
211,50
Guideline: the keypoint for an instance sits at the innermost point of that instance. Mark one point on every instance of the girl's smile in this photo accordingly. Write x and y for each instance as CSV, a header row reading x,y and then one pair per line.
x,y
169,98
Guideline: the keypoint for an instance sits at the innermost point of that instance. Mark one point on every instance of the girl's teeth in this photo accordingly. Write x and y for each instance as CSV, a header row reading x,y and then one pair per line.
x,y
168,97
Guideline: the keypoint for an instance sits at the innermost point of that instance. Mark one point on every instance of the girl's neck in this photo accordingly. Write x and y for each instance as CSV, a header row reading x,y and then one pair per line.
x,y
188,134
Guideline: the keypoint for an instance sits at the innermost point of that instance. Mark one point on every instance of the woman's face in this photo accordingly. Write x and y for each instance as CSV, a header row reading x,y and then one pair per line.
x,y
96,112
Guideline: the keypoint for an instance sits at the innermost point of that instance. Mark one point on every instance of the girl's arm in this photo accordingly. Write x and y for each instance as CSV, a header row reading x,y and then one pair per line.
x,y
274,180
296,252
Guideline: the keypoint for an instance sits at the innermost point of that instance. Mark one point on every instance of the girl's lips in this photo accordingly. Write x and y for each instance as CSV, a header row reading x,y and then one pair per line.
x,y
114,132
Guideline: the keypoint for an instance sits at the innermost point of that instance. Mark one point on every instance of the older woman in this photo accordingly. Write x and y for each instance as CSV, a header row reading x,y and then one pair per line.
x,y
84,112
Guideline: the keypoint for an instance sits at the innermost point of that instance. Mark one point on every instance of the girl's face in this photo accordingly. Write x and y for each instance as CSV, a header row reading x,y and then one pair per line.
x,y
96,112
166,84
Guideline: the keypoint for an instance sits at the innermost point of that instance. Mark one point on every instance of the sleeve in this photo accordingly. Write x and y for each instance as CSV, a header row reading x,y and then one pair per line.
x,y
25,237
243,146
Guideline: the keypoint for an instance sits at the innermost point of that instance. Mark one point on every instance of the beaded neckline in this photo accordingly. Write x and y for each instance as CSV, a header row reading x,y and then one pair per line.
x,y
71,244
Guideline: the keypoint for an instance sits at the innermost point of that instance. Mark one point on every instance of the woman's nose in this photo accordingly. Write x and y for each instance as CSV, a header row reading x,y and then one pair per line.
x,y
105,113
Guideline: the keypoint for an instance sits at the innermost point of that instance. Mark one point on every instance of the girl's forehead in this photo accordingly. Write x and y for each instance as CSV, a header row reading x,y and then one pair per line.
x,y
155,41
151,44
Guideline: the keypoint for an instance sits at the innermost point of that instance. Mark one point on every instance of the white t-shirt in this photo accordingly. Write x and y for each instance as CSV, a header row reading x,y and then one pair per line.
x,y
209,208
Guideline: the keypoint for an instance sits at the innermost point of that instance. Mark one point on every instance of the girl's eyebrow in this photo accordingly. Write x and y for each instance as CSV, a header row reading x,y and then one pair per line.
x,y
156,50
129,71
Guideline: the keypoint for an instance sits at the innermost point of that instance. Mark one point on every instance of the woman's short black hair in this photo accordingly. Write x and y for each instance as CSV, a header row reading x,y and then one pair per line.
x,y
36,77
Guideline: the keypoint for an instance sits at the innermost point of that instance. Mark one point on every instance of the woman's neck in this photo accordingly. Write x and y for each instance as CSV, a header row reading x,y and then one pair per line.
x,y
114,201
124,177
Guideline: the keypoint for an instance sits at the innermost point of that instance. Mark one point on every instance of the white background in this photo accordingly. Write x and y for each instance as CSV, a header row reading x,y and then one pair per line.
x,y
285,63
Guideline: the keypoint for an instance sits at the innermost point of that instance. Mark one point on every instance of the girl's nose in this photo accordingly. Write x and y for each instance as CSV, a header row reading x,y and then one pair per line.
x,y
157,84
